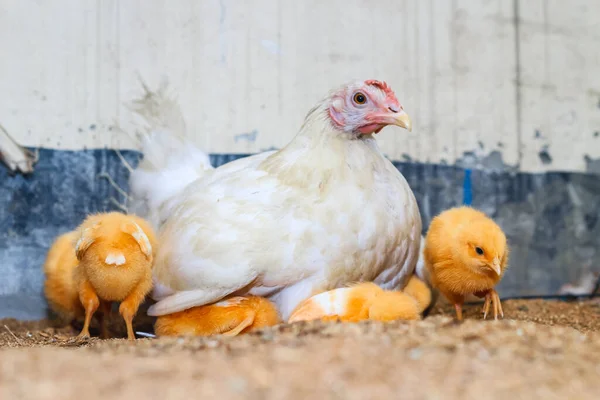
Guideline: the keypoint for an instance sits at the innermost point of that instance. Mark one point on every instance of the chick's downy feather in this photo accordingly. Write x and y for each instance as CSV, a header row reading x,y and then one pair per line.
x,y
326,210
465,252
115,253
60,287
358,302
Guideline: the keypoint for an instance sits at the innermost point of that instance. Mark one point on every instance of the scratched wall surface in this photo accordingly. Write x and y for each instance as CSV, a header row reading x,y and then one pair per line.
x,y
504,84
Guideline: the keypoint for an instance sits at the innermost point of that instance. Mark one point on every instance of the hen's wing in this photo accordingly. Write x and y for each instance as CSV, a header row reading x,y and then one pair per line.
x,y
226,233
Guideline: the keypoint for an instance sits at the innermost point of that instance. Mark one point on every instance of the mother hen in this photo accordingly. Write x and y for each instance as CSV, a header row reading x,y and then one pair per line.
x,y
326,210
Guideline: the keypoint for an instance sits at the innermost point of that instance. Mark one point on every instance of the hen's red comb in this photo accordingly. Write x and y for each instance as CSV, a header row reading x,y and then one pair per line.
x,y
381,85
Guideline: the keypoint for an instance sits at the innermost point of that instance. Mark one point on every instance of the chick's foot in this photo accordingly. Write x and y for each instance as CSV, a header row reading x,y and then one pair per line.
x,y
492,298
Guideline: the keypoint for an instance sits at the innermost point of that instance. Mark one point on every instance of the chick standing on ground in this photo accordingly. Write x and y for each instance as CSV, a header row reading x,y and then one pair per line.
x,y
364,301
229,317
466,253
115,253
59,285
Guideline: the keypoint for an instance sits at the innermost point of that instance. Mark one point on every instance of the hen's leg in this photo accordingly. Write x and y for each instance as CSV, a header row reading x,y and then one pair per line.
x,y
90,302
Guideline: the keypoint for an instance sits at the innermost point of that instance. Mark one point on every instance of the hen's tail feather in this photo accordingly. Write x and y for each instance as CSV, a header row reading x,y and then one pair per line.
x,y
171,161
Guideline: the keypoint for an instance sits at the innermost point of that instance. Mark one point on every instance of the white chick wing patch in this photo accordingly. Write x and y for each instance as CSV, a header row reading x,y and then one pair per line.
x,y
115,259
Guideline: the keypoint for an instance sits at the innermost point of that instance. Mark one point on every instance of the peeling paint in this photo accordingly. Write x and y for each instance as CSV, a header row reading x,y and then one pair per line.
x,y
545,156
491,162
249,136
592,165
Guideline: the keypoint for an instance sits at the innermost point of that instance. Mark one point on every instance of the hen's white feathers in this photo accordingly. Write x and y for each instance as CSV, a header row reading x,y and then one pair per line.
x,y
171,161
422,273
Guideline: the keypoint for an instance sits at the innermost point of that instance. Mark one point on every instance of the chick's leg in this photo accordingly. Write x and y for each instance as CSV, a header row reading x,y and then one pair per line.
x,y
458,309
90,301
492,298
128,309
458,301
235,327
130,305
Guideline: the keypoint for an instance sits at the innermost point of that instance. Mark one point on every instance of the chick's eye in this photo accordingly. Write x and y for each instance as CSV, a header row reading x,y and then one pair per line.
x,y
360,98
479,250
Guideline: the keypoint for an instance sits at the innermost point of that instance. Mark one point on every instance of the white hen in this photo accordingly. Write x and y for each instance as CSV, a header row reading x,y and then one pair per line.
x,y
326,210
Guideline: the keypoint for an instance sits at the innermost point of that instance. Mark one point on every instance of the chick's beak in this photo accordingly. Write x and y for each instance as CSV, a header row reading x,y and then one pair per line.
x,y
496,266
402,120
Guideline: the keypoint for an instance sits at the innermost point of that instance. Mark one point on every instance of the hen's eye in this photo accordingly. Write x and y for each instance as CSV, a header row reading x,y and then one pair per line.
x,y
360,98
479,250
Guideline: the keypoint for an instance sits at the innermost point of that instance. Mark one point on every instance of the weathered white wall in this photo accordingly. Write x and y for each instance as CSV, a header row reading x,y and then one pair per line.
x,y
246,72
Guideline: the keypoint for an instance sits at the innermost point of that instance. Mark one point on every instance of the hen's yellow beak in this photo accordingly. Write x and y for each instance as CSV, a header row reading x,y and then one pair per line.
x,y
403,120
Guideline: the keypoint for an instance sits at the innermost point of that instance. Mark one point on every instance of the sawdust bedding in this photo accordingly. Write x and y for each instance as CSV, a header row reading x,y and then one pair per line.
x,y
543,349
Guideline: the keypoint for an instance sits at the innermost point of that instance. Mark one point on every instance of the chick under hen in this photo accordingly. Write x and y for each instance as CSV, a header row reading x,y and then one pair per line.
x,y
466,252
229,317
366,301
326,210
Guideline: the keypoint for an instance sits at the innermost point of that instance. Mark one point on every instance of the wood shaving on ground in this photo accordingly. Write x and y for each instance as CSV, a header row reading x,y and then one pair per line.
x,y
549,350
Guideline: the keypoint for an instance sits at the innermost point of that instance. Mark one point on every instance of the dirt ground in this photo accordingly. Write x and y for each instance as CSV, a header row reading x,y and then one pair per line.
x,y
543,349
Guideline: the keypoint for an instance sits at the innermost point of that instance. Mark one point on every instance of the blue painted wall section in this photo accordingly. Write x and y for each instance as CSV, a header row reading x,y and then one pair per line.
x,y
551,220
467,189
35,209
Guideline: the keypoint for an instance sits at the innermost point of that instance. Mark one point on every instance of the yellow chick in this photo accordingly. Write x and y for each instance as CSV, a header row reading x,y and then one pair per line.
x,y
115,253
59,284
466,253
229,317
418,290
360,302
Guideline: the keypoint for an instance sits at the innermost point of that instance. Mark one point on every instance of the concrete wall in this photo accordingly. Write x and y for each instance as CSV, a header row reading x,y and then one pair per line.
x,y
503,84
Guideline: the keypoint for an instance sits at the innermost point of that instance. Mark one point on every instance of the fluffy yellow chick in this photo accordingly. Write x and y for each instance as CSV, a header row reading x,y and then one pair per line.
x,y
418,290
357,303
59,285
466,253
115,253
229,317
